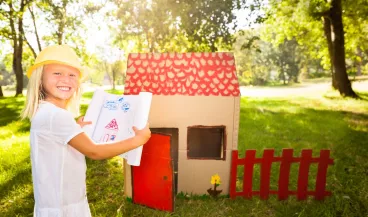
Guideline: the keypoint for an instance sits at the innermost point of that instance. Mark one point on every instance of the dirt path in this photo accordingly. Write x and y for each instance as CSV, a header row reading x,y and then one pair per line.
x,y
298,90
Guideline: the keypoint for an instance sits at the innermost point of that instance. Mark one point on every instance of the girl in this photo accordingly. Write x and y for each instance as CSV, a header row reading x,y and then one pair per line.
x,y
58,144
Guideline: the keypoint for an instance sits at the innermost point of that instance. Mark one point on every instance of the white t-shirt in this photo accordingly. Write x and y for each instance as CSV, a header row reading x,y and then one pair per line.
x,y
58,170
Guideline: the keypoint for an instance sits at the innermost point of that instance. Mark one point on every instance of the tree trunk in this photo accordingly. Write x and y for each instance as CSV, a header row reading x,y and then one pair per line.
x,y
283,72
62,23
17,49
359,62
30,47
327,30
17,37
1,92
342,80
60,36
17,66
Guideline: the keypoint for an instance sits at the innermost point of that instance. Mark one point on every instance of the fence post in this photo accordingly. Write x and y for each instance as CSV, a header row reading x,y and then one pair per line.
x,y
233,173
266,164
305,162
284,176
248,173
324,161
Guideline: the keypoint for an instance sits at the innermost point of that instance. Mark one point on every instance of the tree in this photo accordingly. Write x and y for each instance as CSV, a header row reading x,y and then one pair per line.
x,y
6,77
341,77
174,26
116,71
11,13
63,20
259,61
148,24
253,60
31,10
206,22
356,30
287,15
287,61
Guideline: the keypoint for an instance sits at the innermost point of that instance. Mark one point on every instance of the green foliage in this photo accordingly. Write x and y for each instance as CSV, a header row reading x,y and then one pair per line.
x,y
290,20
205,22
302,20
148,25
65,24
260,62
6,77
173,26
252,58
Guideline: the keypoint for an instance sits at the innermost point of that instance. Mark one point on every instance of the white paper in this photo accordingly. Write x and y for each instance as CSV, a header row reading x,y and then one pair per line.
x,y
140,121
113,117
93,111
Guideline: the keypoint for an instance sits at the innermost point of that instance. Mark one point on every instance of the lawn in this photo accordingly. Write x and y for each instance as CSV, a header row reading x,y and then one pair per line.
x,y
316,122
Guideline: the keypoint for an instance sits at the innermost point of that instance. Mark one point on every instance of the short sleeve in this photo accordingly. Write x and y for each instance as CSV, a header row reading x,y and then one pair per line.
x,y
64,127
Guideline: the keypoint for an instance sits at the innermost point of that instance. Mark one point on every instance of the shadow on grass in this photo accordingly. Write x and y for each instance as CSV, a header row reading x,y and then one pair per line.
x,y
363,96
269,125
22,177
10,109
105,185
22,201
22,206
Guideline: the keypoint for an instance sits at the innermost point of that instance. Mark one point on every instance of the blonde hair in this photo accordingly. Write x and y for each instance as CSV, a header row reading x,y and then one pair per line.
x,y
35,94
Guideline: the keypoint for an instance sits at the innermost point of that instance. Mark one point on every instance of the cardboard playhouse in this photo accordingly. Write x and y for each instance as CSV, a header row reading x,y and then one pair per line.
x,y
194,120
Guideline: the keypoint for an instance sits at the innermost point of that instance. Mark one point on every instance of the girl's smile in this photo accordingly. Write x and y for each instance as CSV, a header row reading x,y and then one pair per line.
x,y
64,88
59,83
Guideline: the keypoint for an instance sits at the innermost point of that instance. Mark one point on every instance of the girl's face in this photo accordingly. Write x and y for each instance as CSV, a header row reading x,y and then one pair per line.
x,y
59,83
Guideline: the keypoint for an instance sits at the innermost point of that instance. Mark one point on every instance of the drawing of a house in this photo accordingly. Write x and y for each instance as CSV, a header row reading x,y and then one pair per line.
x,y
194,120
110,131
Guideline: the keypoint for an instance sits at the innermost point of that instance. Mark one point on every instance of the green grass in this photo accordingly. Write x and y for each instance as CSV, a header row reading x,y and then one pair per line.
x,y
317,122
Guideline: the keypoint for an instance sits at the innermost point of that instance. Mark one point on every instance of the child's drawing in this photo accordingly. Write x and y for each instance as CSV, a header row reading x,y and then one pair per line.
x,y
110,131
125,106
114,104
110,105
112,114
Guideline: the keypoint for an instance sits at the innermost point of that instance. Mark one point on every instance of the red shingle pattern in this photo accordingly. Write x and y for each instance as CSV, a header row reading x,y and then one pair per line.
x,y
190,74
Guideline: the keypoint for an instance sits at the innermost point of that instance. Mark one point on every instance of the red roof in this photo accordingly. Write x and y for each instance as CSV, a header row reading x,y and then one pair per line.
x,y
190,74
112,125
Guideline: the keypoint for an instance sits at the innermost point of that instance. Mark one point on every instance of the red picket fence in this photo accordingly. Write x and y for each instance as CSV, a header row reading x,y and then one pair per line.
x,y
285,160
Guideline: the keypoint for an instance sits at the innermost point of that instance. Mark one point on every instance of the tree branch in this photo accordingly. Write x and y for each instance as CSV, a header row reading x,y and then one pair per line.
x,y
30,46
35,27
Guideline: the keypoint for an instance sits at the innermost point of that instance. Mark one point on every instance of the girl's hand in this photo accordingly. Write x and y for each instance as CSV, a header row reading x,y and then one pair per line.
x,y
81,122
142,135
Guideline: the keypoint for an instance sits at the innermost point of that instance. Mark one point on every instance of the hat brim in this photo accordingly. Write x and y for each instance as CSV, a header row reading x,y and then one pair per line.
x,y
82,70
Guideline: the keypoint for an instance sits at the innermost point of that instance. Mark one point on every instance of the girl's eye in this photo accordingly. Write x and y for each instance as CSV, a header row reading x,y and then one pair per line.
x,y
57,73
72,75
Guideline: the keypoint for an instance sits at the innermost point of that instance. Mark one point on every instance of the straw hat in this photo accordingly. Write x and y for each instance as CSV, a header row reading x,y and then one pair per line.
x,y
60,54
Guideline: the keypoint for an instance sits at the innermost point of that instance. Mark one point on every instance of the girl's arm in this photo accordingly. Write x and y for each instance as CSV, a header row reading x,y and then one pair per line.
x,y
86,146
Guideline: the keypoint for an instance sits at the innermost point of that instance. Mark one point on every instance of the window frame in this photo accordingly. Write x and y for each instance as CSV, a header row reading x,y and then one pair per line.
x,y
223,145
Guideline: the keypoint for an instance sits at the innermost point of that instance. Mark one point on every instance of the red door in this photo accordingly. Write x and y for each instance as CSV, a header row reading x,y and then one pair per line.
x,y
153,179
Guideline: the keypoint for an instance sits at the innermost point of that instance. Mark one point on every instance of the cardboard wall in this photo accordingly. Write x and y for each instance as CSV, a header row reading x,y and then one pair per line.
x,y
184,111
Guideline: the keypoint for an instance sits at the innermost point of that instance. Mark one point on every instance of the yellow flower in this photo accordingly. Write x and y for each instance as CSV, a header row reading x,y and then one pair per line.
x,y
215,179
